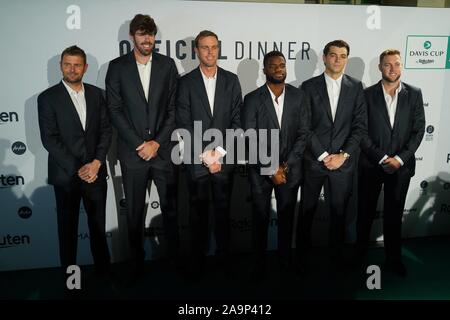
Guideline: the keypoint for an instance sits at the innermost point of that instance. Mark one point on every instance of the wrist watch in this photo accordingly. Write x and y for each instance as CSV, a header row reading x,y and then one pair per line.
x,y
345,154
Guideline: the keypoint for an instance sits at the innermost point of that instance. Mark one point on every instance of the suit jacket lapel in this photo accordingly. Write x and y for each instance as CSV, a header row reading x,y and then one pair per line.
x,y
402,100
381,103
134,75
345,85
266,99
220,92
288,102
286,118
154,83
201,91
322,89
89,108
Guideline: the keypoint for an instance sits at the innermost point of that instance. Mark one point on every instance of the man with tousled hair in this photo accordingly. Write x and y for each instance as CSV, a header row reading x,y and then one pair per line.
x,y
140,90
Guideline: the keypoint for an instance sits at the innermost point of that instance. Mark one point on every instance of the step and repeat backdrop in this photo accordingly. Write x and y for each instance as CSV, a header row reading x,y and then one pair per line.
x,y
33,34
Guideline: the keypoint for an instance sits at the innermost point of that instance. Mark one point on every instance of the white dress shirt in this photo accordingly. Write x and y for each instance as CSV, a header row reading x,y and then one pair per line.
x,y
278,104
79,101
210,86
391,103
391,107
334,90
145,71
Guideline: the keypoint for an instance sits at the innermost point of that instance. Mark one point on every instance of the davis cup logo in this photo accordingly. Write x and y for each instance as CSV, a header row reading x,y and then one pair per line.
x,y
422,53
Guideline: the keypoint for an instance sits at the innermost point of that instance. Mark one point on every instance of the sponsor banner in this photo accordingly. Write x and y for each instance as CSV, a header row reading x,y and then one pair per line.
x,y
427,52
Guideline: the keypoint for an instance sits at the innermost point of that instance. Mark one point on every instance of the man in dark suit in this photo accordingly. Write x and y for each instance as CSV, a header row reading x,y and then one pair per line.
x,y
396,125
337,111
75,131
276,106
211,97
140,89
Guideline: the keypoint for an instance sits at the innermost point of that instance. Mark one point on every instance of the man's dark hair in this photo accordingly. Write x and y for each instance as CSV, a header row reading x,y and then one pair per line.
x,y
74,51
336,43
270,55
204,34
144,23
389,52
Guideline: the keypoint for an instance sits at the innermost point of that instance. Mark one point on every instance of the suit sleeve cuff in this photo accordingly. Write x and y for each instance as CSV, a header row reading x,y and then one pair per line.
x,y
140,145
399,160
221,151
382,159
99,159
322,156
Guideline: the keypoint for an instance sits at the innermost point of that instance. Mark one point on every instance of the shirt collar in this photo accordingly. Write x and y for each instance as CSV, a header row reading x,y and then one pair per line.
x,y
273,95
71,91
396,90
330,80
148,62
214,77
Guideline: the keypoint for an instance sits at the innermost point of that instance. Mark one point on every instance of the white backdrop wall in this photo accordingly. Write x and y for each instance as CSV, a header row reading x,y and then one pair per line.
x,y
33,34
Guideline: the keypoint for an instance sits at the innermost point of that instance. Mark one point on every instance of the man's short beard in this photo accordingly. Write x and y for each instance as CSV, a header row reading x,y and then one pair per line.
x,y
389,80
72,82
143,52
275,81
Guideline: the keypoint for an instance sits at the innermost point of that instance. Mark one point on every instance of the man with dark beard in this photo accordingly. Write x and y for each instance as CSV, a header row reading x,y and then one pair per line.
x,y
396,124
140,90
275,106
